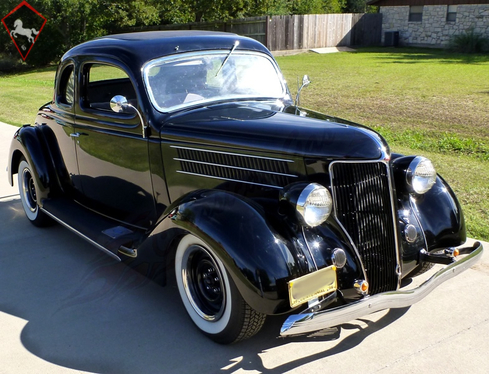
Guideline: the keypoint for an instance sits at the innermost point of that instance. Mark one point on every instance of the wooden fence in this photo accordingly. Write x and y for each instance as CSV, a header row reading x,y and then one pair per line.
x,y
323,30
297,32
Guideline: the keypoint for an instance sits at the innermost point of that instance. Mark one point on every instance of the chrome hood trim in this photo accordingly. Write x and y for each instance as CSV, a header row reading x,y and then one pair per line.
x,y
304,323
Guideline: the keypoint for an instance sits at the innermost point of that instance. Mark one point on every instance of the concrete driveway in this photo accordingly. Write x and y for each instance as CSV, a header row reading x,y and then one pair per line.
x,y
66,307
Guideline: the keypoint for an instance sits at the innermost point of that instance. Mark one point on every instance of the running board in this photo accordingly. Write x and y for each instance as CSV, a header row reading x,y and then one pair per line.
x,y
71,228
111,237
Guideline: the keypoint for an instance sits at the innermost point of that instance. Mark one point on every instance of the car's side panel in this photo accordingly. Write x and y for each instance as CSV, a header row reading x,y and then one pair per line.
x,y
158,179
114,172
112,154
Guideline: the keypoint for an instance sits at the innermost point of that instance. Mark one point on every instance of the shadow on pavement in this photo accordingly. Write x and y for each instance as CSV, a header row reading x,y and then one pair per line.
x,y
87,312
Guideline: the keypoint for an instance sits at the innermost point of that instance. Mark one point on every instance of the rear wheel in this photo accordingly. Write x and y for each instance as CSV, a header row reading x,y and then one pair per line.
x,y
210,296
28,195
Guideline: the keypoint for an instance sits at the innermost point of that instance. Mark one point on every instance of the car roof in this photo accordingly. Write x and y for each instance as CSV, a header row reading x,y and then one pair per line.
x,y
135,49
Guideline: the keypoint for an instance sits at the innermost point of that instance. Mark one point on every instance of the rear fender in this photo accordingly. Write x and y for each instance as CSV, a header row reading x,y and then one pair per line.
x,y
30,142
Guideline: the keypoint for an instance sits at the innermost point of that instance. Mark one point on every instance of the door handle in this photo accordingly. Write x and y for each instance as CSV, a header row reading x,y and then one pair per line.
x,y
75,135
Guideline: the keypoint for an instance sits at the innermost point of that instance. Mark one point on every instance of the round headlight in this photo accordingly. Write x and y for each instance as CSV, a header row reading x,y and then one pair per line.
x,y
314,204
421,175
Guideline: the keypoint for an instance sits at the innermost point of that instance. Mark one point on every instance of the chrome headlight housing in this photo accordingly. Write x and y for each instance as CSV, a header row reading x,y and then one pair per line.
x,y
314,204
421,175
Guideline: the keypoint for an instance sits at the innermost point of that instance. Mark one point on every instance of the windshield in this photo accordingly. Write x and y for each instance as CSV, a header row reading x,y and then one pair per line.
x,y
189,79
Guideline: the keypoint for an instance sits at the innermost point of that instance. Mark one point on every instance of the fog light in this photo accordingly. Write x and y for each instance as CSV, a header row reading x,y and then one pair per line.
x,y
410,233
338,258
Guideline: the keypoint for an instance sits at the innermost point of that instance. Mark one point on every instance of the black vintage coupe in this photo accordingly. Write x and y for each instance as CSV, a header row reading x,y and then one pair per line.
x,y
186,150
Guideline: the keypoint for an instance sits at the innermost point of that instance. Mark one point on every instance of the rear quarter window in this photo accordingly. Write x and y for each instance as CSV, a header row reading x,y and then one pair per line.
x,y
65,93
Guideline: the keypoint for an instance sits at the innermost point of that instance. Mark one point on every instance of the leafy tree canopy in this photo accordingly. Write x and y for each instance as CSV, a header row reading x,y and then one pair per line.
x,y
70,22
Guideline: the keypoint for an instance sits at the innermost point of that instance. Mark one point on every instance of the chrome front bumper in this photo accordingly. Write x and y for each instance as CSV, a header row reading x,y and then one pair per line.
x,y
304,323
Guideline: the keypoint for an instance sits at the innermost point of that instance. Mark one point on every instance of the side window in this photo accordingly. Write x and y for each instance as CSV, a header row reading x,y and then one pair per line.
x,y
66,86
102,83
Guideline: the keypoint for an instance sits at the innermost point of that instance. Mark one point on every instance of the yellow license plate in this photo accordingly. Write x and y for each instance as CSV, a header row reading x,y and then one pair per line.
x,y
313,285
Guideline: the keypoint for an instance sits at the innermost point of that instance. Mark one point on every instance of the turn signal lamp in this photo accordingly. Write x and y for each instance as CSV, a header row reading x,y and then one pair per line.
x,y
452,252
361,287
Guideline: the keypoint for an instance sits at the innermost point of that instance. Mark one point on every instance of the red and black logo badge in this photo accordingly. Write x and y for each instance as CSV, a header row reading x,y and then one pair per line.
x,y
24,24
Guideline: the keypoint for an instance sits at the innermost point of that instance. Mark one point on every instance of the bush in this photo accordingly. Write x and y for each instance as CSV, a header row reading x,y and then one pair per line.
x,y
9,64
469,42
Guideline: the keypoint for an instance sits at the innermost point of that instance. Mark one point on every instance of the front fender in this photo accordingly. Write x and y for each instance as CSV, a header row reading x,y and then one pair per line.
x,y
440,216
437,214
258,259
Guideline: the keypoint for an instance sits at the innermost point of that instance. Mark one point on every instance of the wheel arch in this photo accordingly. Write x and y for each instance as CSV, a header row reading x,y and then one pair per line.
x,y
15,157
236,230
31,143
440,216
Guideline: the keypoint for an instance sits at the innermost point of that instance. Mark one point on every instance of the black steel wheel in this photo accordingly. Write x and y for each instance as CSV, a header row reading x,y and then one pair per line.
x,y
28,195
210,296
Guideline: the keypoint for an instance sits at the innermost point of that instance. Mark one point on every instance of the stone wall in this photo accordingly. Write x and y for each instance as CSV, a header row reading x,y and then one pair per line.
x,y
434,30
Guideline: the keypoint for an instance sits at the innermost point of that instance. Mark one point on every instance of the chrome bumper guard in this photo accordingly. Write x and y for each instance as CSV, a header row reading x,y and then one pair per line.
x,y
304,323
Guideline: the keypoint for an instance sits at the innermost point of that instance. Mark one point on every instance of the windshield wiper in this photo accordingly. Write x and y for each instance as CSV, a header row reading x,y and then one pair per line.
x,y
236,43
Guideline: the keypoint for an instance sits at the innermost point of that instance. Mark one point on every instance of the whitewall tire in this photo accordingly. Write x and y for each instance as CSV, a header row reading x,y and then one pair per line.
x,y
28,195
210,296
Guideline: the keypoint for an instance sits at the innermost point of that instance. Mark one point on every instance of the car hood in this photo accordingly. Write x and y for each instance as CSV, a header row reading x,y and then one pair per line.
x,y
258,127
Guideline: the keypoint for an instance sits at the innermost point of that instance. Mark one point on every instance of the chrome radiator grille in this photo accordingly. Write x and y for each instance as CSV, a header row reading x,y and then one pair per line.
x,y
363,206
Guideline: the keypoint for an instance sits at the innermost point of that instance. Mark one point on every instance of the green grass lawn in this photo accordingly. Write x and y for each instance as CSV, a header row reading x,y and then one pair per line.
x,y
21,95
427,102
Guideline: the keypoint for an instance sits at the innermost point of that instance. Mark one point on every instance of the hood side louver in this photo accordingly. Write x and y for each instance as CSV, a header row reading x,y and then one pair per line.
x,y
255,170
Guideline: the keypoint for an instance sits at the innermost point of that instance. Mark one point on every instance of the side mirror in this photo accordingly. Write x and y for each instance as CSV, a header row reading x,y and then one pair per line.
x,y
305,82
119,104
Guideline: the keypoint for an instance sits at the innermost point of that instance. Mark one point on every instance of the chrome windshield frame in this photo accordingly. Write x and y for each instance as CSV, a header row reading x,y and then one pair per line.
x,y
162,60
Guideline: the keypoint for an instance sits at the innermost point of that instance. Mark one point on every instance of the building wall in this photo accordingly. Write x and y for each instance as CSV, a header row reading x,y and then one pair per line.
x,y
434,30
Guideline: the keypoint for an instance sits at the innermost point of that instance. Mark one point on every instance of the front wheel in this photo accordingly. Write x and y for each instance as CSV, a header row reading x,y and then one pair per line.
x,y
210,296
28,195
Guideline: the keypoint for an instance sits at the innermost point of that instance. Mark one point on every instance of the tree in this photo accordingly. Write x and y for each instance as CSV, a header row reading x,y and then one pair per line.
x,y
356,6
70,22
272,7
